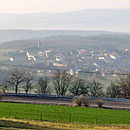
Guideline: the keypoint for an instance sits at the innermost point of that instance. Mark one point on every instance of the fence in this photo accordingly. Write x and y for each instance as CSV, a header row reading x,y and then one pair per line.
x,y
37,95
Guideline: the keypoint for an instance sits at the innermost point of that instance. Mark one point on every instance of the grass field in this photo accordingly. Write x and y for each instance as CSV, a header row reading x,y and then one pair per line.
x,y
64,114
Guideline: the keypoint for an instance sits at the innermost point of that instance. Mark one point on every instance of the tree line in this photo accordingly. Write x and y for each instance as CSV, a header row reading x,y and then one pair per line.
x,y
62,83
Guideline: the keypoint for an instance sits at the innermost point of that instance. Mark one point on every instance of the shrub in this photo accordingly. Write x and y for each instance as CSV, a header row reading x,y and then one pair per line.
x,y
85,102
99,103
77,101
81,100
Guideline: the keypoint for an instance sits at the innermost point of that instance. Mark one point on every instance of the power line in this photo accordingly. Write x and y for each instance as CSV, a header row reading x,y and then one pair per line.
x,y
81,71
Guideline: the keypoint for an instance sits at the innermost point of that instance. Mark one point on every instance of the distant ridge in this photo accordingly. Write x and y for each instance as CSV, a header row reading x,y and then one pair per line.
x,y
89,19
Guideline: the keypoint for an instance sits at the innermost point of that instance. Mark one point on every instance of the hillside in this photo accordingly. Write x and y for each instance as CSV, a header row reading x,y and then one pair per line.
x,y
105,41
105,53
19,34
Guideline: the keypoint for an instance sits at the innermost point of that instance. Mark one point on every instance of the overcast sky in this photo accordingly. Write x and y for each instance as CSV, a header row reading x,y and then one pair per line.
x,y
30,6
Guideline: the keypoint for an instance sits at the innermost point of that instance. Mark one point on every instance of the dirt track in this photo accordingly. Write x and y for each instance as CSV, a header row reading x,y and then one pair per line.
x,y
61,101
36,100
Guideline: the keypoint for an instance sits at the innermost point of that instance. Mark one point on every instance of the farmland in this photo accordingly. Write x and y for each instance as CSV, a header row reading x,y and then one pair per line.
x,y
64,114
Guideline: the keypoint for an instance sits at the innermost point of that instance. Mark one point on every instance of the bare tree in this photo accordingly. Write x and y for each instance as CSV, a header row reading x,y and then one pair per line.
x,y
124,84
114,91
78,87
95,89
61,81
28,81
15,78
43,87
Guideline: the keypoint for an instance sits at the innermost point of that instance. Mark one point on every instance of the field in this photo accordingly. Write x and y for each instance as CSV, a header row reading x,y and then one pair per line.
x,y
64,114
15,124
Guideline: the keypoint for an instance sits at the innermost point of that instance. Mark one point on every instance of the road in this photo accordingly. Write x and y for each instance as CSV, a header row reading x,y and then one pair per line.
x,y
62,101
36,100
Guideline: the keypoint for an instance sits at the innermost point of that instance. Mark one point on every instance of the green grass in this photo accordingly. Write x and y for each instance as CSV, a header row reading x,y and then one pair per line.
x,y
64,113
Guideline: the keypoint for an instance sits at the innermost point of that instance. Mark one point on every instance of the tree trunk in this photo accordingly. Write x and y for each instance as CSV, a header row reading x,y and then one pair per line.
x,y
16,88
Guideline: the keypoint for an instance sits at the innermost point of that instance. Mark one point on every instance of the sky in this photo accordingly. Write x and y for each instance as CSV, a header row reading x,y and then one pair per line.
x,y
31,6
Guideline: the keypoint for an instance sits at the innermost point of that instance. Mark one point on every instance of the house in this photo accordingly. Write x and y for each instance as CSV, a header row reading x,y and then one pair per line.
x,y
60,57
11,59
30,56
113,55
59,65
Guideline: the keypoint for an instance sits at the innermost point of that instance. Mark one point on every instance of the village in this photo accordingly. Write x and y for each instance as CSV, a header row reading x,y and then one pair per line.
x,y
103,61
